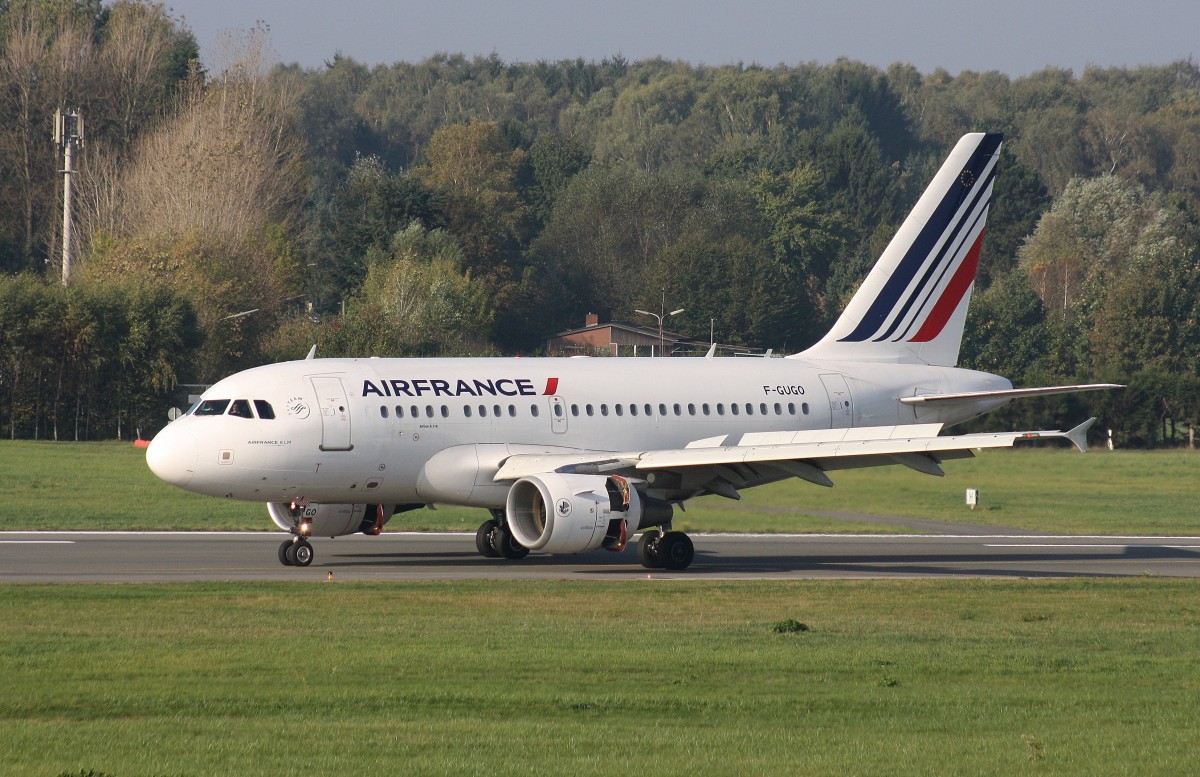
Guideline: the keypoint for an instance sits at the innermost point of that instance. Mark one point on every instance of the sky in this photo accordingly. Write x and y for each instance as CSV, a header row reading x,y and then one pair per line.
x,y
1015,37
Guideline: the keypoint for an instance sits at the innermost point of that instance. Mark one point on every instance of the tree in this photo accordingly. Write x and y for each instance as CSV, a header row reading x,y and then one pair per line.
x,y
476,172
419,302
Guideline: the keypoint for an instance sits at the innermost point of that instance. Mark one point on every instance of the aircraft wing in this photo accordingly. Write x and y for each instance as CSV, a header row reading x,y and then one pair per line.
x,y
806,454
971,396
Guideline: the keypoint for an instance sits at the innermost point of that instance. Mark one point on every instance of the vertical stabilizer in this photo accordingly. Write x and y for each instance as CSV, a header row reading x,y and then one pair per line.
x,y
913,304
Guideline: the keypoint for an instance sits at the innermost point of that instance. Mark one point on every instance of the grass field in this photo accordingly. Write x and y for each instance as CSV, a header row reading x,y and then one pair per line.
x,y
920,677
76,486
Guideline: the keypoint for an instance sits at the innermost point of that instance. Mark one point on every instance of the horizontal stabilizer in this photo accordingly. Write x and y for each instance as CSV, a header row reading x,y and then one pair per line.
x,y
972,396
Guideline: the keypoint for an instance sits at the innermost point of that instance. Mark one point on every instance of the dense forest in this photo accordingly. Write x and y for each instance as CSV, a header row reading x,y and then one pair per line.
x,y
236,214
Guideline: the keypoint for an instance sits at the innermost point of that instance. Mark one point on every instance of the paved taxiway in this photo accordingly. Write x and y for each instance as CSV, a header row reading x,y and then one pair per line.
x,y
77,557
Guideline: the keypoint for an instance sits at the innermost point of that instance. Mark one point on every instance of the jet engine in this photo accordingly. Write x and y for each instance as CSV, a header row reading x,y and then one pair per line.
x,y
329,520
559,513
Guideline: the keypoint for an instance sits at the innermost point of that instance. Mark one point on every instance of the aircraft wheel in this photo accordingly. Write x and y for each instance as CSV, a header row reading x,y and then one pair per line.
x,y
283,553
300,553
676,551
506,545
648,550
483,540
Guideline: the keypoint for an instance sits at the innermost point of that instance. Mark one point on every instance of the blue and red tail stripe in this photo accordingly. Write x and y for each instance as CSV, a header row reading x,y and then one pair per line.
x,y
937,250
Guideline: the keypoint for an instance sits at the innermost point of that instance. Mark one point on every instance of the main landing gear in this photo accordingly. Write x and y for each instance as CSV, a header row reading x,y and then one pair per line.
x,y
494,540
671,550
657,548
295,552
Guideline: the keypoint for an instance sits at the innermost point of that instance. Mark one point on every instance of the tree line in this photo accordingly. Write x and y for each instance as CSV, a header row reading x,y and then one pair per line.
x,y
461,206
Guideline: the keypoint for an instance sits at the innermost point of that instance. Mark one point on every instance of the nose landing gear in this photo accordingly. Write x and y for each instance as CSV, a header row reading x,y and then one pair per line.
x,y
295,552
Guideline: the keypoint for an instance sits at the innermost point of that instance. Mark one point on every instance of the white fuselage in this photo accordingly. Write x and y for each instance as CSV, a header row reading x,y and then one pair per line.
x,y
364,430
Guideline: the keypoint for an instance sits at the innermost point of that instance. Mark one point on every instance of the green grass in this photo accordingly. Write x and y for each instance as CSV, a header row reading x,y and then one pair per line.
x,y
77,486
925,677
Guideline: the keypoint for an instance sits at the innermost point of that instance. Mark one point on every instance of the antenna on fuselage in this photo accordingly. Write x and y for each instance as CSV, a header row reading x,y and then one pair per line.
x,y
311,353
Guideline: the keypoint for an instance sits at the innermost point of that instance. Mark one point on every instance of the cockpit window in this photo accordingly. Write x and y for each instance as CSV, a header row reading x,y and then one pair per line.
x,y
212,407
241,408
265,411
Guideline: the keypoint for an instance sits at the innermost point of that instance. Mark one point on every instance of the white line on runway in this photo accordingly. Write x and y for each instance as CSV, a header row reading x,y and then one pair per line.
x,y
1069,545
37,542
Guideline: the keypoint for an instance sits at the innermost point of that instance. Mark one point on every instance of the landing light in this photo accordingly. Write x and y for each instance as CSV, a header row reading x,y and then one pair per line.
x,y
304,529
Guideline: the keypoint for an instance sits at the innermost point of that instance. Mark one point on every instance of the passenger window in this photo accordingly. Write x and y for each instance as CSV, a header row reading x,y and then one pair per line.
x,y
496,411
212,407
791,408
483,411
241,408
416,411
558,411
383,411
778,409
620,410
704,407
399,411
512,411
762,408
720,409
677,409
467,411
691,409
589,410
650,411
733,408
804,407
575,410
533,410
662,409
445,412
633,410
429,411
603,409
265,411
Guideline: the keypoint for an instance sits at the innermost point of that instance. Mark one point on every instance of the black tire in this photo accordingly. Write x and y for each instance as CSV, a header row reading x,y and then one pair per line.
x,y
506,545
302,554
676,551
648,550
283,553
483,540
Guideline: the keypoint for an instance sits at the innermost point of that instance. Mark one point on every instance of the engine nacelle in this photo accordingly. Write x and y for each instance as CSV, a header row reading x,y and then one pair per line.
x,y
559,513
326,520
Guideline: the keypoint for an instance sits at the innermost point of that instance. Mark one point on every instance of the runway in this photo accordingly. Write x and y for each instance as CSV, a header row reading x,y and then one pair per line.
x,y
119,557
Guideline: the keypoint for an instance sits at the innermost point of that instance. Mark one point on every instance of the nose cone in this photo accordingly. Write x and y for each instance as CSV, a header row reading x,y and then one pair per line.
x,y
172,455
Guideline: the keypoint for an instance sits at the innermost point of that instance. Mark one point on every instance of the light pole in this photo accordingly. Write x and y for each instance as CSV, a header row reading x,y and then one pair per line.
x,y
659,318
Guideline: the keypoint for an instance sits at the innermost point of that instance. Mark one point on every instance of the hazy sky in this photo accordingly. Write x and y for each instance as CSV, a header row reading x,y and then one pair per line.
x,y
1013,36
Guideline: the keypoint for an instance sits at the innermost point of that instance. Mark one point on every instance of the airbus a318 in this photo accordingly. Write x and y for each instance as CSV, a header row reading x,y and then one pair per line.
x,y
575,454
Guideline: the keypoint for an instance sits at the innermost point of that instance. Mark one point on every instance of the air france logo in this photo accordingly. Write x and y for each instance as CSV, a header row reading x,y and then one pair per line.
x,y
564,507
492,387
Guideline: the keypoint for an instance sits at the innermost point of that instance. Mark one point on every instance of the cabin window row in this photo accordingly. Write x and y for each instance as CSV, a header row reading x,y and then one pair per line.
x,y
604,410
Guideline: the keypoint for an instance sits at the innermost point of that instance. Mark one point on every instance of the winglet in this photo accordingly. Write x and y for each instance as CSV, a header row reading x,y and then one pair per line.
x,y
1078,435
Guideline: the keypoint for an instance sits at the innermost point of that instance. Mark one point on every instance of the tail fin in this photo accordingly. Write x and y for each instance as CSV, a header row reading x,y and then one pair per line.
x,y
913,304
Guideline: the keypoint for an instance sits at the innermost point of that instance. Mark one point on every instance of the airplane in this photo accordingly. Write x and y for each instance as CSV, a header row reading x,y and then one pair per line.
x,y
575,454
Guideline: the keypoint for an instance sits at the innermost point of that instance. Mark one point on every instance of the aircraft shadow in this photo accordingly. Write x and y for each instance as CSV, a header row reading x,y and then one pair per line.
x,y
715,564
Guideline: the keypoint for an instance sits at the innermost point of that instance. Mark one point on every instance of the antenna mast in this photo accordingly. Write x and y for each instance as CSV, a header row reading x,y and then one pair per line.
x,y
68,135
